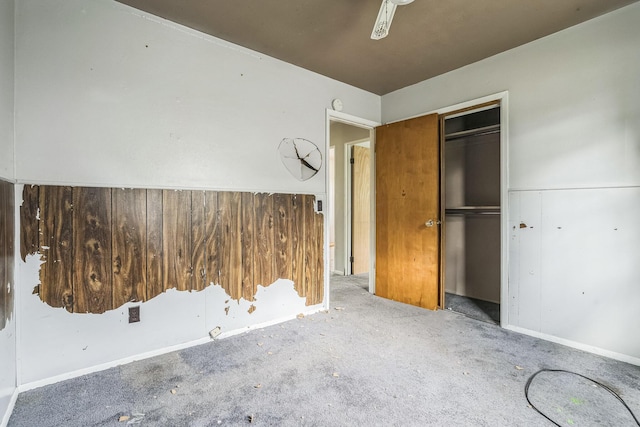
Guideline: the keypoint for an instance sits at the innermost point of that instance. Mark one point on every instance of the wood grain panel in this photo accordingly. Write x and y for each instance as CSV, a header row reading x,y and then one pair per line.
x,y
30,227
249,287
212,231
297,245
407,196
155,264
264,239
104,247
230,258
56,246
176,239
129,245
361,205
92,281
198,238
283,247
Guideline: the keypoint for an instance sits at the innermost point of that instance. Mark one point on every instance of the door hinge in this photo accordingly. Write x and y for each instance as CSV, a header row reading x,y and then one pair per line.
x,y
352,160
351,259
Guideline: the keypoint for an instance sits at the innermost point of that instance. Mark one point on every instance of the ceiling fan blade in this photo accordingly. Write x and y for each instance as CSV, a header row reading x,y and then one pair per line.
x,y
383,22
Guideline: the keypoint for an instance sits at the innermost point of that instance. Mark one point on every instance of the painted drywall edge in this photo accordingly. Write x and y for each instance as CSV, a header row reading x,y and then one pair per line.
x,y
573,344
12,403
104,366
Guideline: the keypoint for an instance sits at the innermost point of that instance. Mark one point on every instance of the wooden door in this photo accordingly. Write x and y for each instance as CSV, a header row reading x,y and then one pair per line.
x,y
408,211
360,204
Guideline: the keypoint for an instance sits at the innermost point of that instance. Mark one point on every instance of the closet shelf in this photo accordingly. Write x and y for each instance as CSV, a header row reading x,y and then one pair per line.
x,y
486,130
473,210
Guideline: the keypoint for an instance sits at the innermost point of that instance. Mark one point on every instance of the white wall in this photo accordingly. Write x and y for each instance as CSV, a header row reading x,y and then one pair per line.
x,y
574,174
6,88
8,333
108,96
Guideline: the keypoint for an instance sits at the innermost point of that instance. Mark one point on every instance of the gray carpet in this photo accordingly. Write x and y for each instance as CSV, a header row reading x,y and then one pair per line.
x,y
366,362
484,311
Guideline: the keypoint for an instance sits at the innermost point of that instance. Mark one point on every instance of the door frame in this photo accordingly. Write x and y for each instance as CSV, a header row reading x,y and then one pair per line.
x,y
503,99
337,116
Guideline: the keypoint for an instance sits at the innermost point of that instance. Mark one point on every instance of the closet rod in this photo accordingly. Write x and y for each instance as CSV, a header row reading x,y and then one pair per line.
x,y
471,213
466,213
473,210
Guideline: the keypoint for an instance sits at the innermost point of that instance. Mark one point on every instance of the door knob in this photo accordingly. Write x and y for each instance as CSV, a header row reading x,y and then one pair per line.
x,y
431,222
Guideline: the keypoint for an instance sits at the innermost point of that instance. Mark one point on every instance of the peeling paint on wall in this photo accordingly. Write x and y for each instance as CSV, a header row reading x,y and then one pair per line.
x,y
55,341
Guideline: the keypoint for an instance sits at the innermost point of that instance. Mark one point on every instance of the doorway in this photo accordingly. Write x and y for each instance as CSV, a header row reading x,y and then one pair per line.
x,y
470,171
350,196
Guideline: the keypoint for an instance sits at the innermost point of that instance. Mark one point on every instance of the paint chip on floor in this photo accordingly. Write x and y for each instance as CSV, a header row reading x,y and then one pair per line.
x,y
215,332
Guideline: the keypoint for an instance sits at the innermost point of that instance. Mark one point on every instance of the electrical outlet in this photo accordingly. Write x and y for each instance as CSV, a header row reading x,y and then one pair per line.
x,y
318,206
134,314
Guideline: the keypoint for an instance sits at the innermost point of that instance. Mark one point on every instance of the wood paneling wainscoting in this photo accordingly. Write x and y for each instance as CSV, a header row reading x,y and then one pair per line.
x,y
104,247
7,213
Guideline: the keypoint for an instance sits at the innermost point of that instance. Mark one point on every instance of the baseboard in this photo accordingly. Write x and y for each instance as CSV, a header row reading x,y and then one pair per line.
x,y
103,366
5,419
338,272
577,345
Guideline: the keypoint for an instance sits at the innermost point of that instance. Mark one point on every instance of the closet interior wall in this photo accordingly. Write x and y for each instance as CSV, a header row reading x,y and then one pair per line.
x,y
472,204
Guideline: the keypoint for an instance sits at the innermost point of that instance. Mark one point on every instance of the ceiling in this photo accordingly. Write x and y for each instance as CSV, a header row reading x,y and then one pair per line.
x,y
332,37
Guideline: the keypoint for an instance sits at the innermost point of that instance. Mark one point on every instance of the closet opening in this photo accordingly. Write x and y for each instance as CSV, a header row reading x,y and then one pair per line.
x,y
471,198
